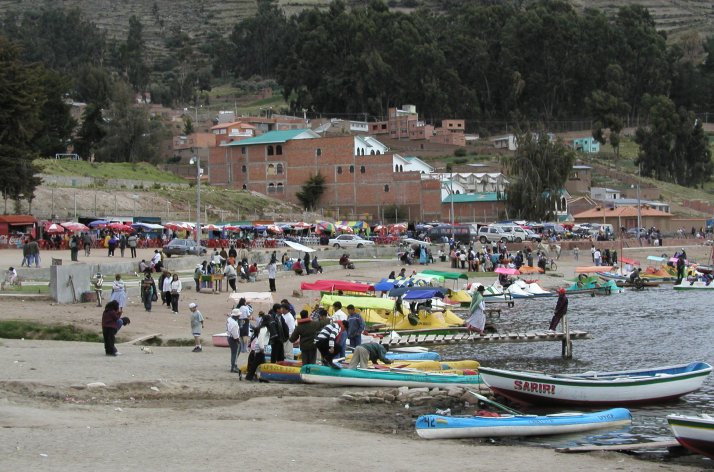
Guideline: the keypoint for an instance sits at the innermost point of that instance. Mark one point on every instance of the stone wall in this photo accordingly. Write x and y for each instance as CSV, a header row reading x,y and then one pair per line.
x,y
69,282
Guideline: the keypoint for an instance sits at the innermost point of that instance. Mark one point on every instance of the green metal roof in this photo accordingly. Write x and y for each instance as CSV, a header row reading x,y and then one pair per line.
x,y
474,197
272,137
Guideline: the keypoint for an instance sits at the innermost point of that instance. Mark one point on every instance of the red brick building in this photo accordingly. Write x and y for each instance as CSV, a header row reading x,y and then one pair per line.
x,y
357,180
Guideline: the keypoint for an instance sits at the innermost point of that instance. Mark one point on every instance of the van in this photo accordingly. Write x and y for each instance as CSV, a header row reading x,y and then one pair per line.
x,y
442,233
495,233
519,234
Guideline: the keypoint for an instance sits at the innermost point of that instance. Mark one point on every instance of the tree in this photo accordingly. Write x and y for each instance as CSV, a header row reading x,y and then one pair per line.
x,y
21,102
608,109
187,125
91,132
311,191
539,170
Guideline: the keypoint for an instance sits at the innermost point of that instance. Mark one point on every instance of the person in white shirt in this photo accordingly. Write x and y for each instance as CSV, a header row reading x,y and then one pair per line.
x,y
175,287
598,257
272,273
233,332
290,323
155,258
339,315
119,292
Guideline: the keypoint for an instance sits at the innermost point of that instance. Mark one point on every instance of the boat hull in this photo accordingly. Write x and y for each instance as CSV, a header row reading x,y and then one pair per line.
x,y
608,388
378,378
694,432
694,286
279,373
450,427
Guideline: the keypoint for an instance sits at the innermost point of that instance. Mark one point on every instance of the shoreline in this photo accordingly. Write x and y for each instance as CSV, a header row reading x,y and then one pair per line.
x,y
202,415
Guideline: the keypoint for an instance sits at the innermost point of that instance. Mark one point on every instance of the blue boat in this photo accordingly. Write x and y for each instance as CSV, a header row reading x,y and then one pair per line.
x,y
452,427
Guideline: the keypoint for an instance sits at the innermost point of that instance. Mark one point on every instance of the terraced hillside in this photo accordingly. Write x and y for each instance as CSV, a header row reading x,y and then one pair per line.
x,y
201,17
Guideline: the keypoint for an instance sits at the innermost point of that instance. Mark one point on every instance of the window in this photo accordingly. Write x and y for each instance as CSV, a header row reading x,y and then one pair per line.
x,y
371,153
271,169
318,152
362,169
352,169
270,150
279,150
279,169
271,187
279,187
245,187
378,153
396,167
401,168
339,169
386,187
243,168
243,150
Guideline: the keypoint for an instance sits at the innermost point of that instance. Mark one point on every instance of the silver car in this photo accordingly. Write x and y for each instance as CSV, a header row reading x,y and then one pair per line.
x,y
350,240
181,247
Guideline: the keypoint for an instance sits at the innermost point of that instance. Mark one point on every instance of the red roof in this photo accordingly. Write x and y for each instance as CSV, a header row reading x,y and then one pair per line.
x,y
623,211
18,219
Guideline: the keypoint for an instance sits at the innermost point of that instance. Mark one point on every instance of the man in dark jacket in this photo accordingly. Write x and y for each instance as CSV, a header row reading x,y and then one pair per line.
x,y
305,331
364,353
109,327
278,333
561,308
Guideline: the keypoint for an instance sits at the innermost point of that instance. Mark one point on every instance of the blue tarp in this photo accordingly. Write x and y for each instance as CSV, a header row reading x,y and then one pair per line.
x,y
423,294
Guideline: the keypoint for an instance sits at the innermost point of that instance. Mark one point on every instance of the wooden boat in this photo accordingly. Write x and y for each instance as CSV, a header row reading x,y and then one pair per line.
x,y
318,374
451,427
629,387
696,433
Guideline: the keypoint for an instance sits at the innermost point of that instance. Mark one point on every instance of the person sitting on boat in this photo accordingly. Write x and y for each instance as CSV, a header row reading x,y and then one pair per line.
x,y
364,353
635,275
581,280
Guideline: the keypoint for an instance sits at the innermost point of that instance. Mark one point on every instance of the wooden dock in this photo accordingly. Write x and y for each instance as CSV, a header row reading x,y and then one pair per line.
x,y
423,339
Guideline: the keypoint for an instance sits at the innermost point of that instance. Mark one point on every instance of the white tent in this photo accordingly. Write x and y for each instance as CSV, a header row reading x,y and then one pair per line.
x,y
299,247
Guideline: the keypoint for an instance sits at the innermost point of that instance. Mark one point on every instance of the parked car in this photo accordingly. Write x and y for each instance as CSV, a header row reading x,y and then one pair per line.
x,y
461,233
350,240
493,234
181,247
632,232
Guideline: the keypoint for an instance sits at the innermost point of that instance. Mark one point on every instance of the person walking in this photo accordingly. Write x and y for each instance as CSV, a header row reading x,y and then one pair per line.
x,y
196,326
175,287
233,332
477,312
87,244
111,315
165,288
148,291
74,248
272,273
231,274
111,245
132,241
119,292
561,309
122,244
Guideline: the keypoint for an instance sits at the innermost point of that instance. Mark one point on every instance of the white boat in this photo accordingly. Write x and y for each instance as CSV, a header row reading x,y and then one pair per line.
x,y
518,292
533,288
696,433
629,387
697,285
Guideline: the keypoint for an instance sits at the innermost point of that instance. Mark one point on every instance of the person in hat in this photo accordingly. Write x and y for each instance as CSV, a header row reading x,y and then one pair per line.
x,y
561,308
477,310
233,331
196,326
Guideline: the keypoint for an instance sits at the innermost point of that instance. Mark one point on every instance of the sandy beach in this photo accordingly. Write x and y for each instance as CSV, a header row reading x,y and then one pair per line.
x,y
174,409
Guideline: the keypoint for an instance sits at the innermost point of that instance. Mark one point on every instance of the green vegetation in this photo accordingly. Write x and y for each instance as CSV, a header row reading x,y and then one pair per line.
x,y
106,170
234,201
27,288
16,329
311,191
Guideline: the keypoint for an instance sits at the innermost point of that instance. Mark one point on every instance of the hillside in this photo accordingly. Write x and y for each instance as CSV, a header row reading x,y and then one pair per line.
x,y
204,17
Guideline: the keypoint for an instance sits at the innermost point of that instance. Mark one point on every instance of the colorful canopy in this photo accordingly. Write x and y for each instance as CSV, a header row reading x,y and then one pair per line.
x,y
53,228
359,302
506,271
211,227
116,226
627,260
74,226
98,223
147,226
274,229
446,274
334,285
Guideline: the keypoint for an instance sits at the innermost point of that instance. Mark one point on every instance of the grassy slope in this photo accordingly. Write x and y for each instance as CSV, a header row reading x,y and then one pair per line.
x,y
107,170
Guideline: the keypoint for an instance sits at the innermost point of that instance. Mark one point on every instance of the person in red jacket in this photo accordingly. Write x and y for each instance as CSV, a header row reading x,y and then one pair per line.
x,y
109,327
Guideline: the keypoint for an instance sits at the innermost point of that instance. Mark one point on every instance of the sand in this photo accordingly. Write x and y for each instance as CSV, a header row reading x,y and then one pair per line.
x,y
179,410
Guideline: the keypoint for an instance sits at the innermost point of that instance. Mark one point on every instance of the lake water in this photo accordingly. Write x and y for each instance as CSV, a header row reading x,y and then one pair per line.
x,y
634,329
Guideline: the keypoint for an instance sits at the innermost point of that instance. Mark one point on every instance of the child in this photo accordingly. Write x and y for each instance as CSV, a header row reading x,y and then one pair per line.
x,y
196,326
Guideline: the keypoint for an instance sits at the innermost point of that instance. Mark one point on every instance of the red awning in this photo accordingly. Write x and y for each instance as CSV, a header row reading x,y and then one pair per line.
x,y
333,285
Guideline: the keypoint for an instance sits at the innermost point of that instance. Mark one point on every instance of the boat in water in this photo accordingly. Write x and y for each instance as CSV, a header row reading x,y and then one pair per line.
x,y
630,387
696,433
452,427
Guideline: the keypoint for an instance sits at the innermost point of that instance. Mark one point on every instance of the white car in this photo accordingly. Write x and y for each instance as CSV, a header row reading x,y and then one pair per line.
x,y
349,240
